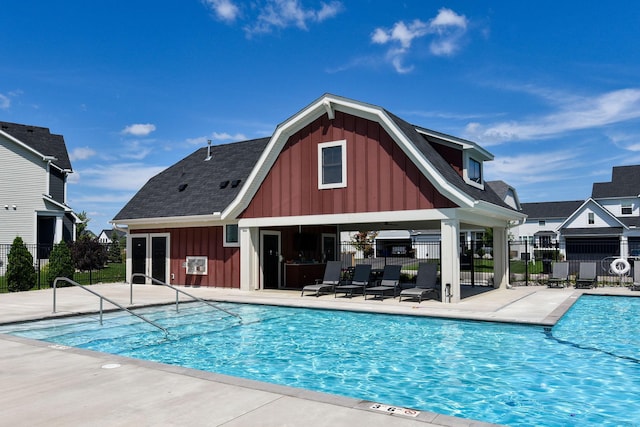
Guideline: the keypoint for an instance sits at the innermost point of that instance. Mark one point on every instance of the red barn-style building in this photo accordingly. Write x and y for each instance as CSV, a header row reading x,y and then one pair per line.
x,y
245,215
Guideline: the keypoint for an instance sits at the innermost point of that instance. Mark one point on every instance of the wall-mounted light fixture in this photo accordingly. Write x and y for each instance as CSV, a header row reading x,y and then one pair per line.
x,y
14,207
6,207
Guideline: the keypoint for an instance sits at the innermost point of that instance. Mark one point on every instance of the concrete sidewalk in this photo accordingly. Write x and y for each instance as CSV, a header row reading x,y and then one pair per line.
x,y
52,385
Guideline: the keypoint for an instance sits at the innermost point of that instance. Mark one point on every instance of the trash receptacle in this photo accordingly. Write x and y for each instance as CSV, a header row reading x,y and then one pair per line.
x,y
546,266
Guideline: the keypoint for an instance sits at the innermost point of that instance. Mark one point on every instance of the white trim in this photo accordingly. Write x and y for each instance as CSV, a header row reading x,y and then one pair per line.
x,y
226,244
317,109
172,221
343,151
148,256
44,157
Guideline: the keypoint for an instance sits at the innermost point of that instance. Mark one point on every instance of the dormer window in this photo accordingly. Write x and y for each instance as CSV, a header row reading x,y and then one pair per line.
x,y
627,209
474,171
332,164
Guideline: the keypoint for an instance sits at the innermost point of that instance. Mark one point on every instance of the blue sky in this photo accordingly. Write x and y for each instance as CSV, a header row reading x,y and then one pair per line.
x,y
551,88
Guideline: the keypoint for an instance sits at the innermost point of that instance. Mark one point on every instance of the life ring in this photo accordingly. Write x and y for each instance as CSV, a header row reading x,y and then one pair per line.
x,y
620,266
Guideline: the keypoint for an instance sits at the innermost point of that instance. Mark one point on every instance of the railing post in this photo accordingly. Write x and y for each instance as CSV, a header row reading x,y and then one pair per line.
x,y
100,311
177,300
54,295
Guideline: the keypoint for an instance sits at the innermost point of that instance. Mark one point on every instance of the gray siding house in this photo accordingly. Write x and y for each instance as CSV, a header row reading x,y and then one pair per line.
x,y
34,166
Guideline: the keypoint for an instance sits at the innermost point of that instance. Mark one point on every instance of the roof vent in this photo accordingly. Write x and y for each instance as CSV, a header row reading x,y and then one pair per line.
x,y
181,187
208,151
223,184
235,183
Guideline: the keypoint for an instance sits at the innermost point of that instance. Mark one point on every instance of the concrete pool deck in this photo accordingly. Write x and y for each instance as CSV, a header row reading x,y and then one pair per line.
x,y
45,384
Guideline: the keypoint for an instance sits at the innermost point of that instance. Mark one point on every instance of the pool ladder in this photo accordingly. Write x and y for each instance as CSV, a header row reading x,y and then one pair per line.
x,y
178,291
102,297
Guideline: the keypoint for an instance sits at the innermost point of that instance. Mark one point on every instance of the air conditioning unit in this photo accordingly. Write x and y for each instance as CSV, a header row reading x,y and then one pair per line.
x,y
196,265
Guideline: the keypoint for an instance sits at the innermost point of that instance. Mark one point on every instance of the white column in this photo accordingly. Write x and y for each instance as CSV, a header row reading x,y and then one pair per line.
x,y
57,238
249,258
450,260
500,258
624,247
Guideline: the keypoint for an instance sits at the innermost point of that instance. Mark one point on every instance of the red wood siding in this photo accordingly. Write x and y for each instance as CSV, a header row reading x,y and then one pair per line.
x,y
451,155
380,177
223,263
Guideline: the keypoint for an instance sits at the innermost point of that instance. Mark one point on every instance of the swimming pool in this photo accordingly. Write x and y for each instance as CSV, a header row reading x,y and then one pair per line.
x,y
585,371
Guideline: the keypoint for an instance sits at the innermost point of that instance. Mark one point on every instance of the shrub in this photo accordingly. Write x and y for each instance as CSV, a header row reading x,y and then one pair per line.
x,y
21,275
88,254
60,264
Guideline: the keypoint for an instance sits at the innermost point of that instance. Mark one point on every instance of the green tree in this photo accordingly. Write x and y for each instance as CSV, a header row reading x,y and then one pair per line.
x,y
60,263
81,228
21,275
115,253
363,241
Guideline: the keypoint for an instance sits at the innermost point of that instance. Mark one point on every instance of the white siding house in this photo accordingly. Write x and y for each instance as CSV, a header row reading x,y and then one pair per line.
x,y
34,165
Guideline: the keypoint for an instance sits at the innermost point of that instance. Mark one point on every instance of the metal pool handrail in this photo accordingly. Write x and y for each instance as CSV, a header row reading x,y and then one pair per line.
x,y
102,297
161,283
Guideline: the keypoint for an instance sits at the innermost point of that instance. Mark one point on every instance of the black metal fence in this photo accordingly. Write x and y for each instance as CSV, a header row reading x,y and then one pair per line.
x,y
111,272
476,259
532,263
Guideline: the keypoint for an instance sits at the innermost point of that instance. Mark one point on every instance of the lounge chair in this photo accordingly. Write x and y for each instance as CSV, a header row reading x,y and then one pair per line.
x,y
635,286
389,282
559,275
331,278
426,283
358,282
586,276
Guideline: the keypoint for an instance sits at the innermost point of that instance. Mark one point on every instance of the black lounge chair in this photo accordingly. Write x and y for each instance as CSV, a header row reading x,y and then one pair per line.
x,y
559,275
587,276
426,283
389,283
358,282
331,278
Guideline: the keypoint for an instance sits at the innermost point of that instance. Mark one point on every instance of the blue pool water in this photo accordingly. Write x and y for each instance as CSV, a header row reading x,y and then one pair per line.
x,y
583,372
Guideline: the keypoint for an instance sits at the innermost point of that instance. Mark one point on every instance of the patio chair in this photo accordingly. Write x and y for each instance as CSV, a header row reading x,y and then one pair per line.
x,y
559,275
426,283
635,286
586,276
358,282
331,278
389,282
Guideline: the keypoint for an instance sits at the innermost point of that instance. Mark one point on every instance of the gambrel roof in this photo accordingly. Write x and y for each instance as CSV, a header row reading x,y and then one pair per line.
x,y
40,141
195,188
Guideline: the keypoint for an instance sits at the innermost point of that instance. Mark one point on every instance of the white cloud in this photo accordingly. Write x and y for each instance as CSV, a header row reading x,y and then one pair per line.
x,y
225,10
5,102
81,153
576,113
216,136
447,29
139,129
118,176
262,17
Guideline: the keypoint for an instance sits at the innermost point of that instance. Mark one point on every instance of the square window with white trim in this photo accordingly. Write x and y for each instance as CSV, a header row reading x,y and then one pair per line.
x,y
231,238
332,164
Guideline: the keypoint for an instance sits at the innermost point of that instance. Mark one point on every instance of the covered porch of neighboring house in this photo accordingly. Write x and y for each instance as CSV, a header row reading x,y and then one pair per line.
x,y
290,252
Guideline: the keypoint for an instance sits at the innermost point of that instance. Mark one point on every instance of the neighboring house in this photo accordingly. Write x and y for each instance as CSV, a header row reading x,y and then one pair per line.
x,y
34,166
606,224
106,234
266,213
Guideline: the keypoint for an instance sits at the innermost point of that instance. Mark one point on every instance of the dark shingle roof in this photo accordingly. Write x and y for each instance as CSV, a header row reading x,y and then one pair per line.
x,y
550,210
625,182
487,195
41,140
193,186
